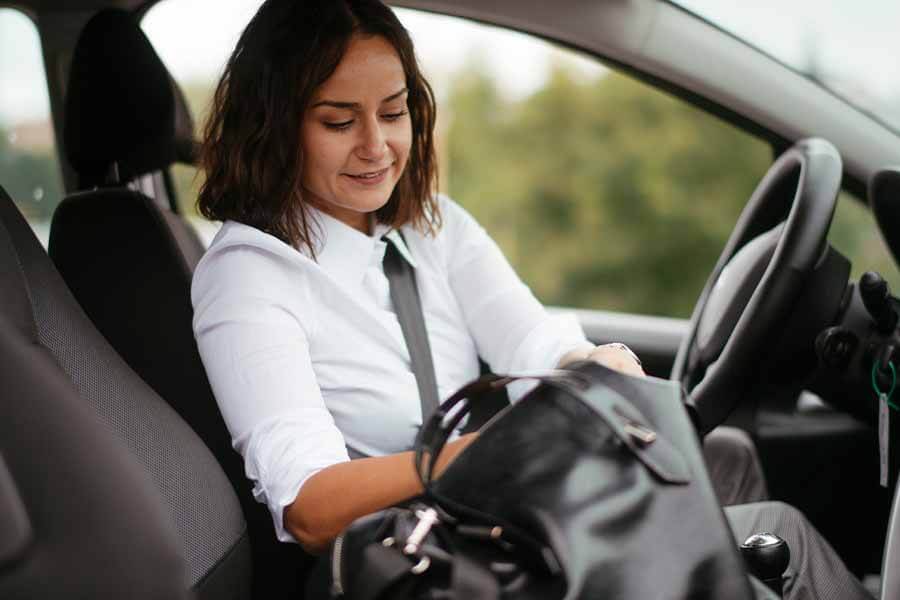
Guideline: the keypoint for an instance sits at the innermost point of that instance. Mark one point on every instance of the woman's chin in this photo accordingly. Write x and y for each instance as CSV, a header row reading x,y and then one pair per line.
x,y
368,199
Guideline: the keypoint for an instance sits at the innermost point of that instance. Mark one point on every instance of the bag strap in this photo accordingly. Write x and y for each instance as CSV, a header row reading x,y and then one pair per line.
x,y
408,307
443,422
437,430
624,420
656,453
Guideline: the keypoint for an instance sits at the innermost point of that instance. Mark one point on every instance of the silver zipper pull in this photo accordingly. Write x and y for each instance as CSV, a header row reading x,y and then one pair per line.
x,y
640,433
427,519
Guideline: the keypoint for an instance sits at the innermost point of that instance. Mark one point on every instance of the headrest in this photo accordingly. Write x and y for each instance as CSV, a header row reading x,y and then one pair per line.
x,y
122,106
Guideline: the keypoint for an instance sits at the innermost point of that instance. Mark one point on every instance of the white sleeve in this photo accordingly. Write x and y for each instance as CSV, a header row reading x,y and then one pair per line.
x,y
255,347
512,330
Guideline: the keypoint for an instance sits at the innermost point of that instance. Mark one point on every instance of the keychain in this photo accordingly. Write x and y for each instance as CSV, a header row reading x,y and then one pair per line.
x,y
884,419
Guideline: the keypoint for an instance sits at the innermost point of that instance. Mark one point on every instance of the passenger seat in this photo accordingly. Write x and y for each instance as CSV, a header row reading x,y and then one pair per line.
x,y
56,368
129,261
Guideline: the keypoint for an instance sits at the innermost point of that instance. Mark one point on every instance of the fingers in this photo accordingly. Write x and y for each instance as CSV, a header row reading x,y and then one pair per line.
x,y
617,357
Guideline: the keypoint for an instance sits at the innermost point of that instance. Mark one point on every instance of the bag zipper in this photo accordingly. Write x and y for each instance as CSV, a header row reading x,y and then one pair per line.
x,y
337,584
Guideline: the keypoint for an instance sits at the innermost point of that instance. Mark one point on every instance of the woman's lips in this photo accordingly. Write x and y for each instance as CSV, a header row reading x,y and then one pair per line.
x,y
370,178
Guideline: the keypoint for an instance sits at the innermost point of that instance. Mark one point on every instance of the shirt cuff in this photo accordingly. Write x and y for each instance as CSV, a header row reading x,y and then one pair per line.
x,y
542,348
281,459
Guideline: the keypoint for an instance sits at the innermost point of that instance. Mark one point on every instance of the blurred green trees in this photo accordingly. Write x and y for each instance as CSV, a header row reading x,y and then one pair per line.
x,y
609,194
602,193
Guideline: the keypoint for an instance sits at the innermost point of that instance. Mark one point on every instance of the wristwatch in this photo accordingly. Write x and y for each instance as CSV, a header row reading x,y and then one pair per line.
x,y
622,346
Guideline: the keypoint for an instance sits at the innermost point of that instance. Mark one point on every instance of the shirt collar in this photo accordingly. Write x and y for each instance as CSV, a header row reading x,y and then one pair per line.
x,y
345,253
397,240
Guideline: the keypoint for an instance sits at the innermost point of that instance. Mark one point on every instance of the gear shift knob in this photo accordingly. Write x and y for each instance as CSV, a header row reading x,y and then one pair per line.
x,y
766,556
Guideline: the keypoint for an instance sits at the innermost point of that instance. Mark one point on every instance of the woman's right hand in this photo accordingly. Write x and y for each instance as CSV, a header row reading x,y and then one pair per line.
x,y
615,356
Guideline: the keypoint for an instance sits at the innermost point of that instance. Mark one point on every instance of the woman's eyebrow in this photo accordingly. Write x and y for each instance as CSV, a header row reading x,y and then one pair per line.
x,y
355,105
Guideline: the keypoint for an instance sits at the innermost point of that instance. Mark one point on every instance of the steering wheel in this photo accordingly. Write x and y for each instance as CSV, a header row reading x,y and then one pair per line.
x,y
776,243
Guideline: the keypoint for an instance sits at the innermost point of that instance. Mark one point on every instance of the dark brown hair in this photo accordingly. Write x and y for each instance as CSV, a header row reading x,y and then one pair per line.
x,y
251,150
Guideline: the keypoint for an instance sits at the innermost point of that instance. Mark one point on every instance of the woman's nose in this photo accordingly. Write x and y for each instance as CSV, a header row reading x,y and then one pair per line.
x,y
373,144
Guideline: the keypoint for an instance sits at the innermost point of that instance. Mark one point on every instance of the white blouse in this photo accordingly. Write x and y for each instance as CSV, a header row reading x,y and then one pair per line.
x,y
306,358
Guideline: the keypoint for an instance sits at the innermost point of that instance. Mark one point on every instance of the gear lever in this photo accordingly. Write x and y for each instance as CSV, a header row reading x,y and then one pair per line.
x,y
876,296
766,556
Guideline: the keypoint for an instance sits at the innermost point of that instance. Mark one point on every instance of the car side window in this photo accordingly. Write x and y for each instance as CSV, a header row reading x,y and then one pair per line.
x,y
29,164
602,191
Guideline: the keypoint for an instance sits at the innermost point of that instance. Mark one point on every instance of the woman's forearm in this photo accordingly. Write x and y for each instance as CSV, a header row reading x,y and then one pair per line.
x,y
337,495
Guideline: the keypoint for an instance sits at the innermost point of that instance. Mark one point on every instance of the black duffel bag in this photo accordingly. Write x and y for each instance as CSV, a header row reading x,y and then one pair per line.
x,y
591,487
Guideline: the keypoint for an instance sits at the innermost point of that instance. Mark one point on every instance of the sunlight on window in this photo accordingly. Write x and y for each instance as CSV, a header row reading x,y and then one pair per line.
x,y
29,167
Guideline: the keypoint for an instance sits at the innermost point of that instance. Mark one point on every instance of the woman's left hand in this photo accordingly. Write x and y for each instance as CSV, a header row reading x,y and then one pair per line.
x,y
616,356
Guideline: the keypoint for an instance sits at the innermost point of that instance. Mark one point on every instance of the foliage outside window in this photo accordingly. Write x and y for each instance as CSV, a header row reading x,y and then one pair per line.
x,y
29,168
604,194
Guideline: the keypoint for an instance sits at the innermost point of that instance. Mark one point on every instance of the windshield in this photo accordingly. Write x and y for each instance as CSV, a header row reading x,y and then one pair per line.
x,y
850,48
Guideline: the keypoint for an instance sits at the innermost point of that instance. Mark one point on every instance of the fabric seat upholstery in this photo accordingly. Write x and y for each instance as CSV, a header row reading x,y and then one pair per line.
x,y
129,262
72,498
198,498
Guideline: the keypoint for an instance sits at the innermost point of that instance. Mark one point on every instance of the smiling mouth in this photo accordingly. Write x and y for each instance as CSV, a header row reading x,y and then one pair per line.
x,y
370,175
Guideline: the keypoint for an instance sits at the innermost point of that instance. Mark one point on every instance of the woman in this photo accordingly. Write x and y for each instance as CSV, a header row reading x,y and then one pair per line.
x,y
318,152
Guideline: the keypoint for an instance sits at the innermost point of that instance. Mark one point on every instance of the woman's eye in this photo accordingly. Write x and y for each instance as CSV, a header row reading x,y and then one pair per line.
x,y
338,125
393,116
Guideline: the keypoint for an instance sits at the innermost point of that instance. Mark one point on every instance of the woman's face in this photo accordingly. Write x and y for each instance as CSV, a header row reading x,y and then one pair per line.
x,y
356,134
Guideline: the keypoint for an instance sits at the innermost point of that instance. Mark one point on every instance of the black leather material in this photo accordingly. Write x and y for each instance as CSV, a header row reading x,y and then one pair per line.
x,y
199,500
555,465
121,104
373,570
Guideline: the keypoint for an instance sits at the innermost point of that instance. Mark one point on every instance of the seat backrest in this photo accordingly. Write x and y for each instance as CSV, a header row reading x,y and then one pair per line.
x,y
129,262
198,498
73,500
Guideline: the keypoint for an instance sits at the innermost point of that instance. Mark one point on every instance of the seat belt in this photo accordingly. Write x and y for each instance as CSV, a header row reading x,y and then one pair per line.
x,y
408,308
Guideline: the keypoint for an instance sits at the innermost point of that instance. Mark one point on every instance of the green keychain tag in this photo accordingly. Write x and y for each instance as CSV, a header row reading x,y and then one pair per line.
x,y
884,421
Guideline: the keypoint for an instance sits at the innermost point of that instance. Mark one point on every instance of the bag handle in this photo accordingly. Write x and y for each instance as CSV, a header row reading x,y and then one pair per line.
x,y
624,420
656,453
438,428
